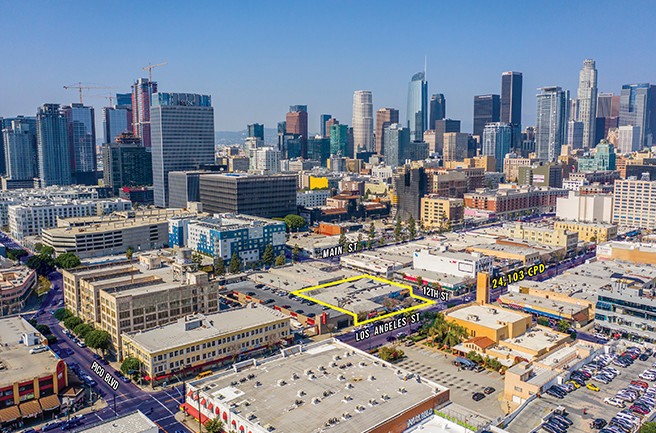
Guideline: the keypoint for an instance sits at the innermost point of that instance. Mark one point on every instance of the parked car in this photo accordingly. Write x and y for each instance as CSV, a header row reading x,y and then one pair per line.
x,y
599,423
489,390
477,396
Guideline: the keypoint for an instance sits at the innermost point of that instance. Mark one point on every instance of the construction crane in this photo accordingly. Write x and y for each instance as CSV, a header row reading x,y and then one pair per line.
x,y
150,69
110,97
79,87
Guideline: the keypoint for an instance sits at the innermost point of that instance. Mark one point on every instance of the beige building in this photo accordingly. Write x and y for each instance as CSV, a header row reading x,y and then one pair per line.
x,y
512,163
137,294
436,211
589,232
455,146
546,236
489,321
628,252
200,342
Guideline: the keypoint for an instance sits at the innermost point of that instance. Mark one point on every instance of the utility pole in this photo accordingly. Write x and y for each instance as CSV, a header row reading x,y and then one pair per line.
x,y
200,424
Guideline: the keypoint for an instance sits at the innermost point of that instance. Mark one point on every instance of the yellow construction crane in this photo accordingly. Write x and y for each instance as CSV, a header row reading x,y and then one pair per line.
x,y
150,69
110,97
79,87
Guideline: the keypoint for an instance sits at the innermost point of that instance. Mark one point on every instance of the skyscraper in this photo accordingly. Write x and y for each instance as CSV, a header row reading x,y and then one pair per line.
x,y
330,122
256,130
496,138
339,141
628,139
126,163
52,145
397,143
182,136
551,128
322,124
442,127
20,150
511,98
574,134
82,143
297,123
635,109
417,106
437,109
587,96
384,118
455,146
608,105
142,95
487,109
363,121
117,119
410,186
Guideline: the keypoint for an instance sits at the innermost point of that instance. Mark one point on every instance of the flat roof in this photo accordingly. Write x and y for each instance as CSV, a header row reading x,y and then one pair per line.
x,y
550,304
135,422
506,248
486,315
537,338
326,380
19,364
301,275
196,328
586,224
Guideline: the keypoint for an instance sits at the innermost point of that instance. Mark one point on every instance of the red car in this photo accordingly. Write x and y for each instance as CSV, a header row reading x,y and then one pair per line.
x,y
640,383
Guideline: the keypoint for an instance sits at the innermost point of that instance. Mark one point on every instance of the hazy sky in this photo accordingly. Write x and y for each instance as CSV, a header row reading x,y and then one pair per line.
x,y
257,58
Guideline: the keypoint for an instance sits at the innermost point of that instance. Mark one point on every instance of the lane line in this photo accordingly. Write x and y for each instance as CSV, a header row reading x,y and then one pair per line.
x,y
169,410
160,427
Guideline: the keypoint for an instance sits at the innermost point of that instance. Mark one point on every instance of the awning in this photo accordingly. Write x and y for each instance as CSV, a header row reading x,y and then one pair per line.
x,y
225,416
190,393
193,412
195,396
30,408
50,402
216,410
9,414
210,406
202,402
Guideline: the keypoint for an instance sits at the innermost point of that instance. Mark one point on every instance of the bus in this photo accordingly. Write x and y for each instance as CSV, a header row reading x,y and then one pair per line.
x,y
203,374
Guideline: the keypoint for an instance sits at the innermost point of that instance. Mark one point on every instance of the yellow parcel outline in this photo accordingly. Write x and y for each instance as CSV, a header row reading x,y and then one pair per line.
x,y
355,316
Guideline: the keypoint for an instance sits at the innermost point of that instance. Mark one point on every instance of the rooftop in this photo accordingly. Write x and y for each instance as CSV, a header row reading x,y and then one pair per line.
x,y
302,391
301,275
486,315
537,338
550,304
135,422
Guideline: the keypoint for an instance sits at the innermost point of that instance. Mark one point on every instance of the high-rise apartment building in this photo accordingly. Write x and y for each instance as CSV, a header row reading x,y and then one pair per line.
x,y
256,130
363,121
637,109
20,149
322,124
455,146
442,127
634,203
575,134
52,145
437,109
417,114
142,98
487,109
82,143
409,187
397,144
297,123
384,118
126,163
511,98
628,139
587,96
118,119
182,126
551,128
496,141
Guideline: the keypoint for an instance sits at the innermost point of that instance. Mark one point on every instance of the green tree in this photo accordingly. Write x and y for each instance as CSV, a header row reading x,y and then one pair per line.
x,y
43,329
367,193
214,425
267,257
280,260
359,245
67,261
42,264
72,322
294,222
398,229
412,228
420,282
295,253
372,231
97,339
219,266
543,321
197,259
563,326
129,252
235,264
381,241
38,246
390,354
47,251
130,367
342,240
62,314
82,330
648,427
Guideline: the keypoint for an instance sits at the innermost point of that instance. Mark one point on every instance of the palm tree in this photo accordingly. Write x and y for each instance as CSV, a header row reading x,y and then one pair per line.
x,y
213,425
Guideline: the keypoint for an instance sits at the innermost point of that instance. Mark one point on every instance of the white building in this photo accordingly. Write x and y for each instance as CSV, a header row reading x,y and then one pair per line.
x,y
30,217
452,263
575,134
574,184
135,422
267,158
628,139
587,96
635,203
312,198
585,208
363,121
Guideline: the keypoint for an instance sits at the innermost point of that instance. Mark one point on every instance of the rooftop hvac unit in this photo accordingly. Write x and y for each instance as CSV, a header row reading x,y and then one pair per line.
x,y
371,378
316,400
281,382
300,393
347,397
346,415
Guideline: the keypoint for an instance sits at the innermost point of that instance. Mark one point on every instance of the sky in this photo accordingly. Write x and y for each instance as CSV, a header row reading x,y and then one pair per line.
x,y
255,58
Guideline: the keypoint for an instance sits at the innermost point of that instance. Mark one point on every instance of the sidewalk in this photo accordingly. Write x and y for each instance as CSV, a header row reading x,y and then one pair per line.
x,y
97,406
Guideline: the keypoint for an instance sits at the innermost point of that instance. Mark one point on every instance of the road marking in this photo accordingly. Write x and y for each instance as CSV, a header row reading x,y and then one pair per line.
x,y
160,427
169,410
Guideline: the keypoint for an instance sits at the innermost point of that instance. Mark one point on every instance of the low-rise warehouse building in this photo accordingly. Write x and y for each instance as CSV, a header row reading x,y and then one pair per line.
x,y
488,321
553,306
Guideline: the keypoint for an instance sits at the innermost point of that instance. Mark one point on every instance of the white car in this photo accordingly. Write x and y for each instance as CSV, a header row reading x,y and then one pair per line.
x,y
614,402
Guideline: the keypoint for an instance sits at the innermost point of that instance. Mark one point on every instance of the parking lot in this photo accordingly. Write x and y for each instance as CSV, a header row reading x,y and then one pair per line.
x,y
463,384
578,400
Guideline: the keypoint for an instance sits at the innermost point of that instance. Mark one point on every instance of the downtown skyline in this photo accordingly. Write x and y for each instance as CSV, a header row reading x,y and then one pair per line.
x,y
252,78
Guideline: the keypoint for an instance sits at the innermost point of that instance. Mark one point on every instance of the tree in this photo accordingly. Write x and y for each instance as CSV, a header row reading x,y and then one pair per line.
x,y
82,330
267,257
390,354
16,254
47,251
397,229
381,241
412,228
214,425
197,259
543,321
67,261
43,329
219,266
563,326
294,222
235,264
280,260
62,314
38,246
131,366
342,239
420,282
72,322
295,253
97,339
367,193
358,247
129,252
372,231
42,264
648,427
